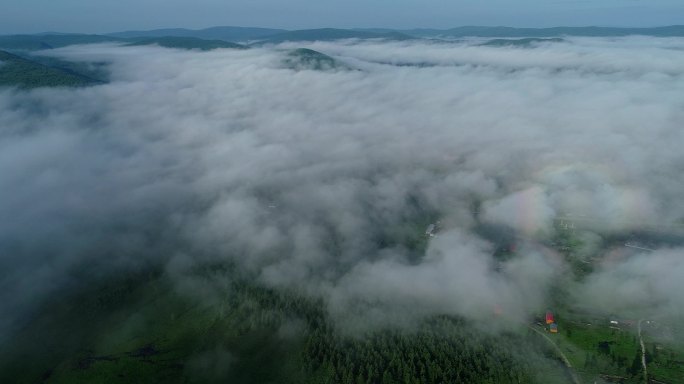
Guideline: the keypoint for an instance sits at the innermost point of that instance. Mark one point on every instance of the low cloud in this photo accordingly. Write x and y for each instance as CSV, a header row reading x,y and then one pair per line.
x,y
324,181
643,285
528,211
458,276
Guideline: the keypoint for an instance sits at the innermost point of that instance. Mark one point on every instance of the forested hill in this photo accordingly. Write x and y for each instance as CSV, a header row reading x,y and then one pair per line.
x,y
329,34
137,328
304,58
49,41
16,71
477,31
188,43
275,36
241,34
213,33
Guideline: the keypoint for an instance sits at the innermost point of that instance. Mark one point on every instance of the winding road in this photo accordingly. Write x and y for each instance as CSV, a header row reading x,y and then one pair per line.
x,y
565,359
643,353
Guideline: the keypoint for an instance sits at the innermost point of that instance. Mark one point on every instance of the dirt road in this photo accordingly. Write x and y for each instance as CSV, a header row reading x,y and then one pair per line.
x,y
643,353
565,359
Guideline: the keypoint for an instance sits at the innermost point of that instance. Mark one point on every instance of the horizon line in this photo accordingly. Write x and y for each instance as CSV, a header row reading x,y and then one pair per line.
x,y
342,28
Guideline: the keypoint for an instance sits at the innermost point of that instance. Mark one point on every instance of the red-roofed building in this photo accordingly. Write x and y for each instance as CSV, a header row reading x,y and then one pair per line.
x,y
549,317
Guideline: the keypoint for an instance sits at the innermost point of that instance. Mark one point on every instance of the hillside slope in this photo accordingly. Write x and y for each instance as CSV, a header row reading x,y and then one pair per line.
x,y
188,43
49,41
16,71
215,33
330,34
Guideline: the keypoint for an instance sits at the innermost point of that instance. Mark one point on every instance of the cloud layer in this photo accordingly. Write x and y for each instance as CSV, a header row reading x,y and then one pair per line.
x,y
318,180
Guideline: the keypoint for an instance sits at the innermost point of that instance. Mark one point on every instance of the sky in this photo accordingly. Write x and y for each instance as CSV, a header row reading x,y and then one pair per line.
x,y
318,180
32,16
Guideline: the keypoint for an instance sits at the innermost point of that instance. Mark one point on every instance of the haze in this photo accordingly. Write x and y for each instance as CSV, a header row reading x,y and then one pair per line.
x,y
33,16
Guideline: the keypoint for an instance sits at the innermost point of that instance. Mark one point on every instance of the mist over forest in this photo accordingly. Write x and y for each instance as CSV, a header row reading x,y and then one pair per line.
x,y
321,179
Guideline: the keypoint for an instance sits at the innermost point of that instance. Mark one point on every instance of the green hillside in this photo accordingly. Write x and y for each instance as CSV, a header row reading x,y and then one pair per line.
x,y
228,33
97,71
17,71
48,41
214,33
303,58
330,34
468,31
527,42
138,329
187,43
274,36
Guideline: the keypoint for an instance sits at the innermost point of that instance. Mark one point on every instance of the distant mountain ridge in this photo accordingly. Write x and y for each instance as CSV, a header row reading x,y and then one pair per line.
x,y
187,43
328,34
49,41
236,34
523,42
475,31
260,36
214,33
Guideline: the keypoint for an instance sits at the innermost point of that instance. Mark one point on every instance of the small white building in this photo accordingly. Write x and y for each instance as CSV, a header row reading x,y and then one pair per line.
x,y
430,231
